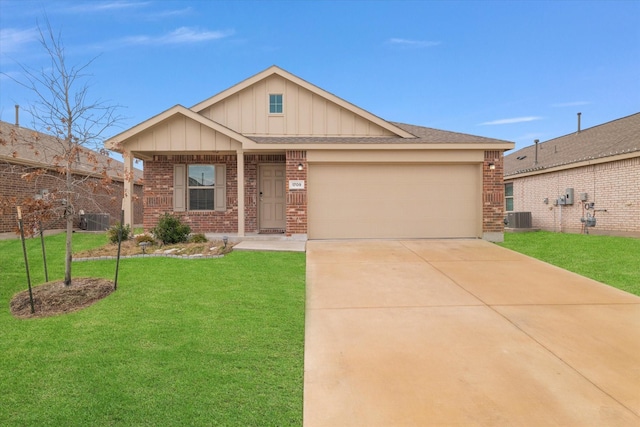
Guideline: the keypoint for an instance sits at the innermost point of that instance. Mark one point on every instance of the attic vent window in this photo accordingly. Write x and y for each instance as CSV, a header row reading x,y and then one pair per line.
x,y
521,157
275,103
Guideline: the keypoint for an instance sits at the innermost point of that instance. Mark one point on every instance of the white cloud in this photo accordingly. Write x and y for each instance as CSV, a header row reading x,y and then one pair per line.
x,y
570,104
412,43
182,35
512,120
170,13
13,40
88,7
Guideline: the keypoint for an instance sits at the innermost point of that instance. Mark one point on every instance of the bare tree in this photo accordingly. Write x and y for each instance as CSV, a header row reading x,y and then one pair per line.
x,y
62,109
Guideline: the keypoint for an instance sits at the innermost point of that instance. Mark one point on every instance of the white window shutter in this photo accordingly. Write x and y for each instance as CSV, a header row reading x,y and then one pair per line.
x,y
220,197
179,187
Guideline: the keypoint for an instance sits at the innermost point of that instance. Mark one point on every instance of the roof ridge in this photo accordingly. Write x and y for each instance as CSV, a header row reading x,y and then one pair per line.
x,y
591,128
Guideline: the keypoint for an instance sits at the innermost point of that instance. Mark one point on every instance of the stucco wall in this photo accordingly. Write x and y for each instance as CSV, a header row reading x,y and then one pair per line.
x,y
614,186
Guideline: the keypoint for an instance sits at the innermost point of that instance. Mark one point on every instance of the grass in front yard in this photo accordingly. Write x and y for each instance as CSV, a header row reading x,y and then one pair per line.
x,y
181,342
607,259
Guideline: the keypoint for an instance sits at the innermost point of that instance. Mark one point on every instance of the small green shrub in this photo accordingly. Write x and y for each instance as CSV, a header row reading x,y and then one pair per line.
x,y
112,232
198,238
171,230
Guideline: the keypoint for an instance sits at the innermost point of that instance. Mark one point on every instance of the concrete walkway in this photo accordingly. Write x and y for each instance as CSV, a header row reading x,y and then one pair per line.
x,y
271,245
463,333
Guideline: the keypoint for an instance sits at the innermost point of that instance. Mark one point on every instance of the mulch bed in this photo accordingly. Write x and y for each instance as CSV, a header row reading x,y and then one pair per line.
x,y
55,298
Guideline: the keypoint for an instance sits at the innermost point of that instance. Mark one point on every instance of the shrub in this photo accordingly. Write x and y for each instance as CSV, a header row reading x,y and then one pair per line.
x,y
113,232
171,230
198,238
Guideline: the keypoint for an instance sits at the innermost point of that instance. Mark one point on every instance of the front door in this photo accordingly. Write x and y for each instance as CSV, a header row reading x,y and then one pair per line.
x,y
272,195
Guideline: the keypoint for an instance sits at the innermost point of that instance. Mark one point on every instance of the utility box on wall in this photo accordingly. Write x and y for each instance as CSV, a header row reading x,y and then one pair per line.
x,y
568,194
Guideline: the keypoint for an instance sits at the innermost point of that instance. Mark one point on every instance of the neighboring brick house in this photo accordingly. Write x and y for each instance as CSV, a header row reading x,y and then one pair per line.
x,y
276,154
23,151
599,166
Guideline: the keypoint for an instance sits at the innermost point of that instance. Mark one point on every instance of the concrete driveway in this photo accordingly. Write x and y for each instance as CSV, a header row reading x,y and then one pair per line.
x,y
463,333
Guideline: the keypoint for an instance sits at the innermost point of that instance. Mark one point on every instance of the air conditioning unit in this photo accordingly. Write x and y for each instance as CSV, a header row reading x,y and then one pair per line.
x,y
519,219
97,221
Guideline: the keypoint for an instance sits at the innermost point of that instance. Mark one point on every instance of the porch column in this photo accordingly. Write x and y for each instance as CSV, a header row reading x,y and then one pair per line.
x,y
127,197
240,175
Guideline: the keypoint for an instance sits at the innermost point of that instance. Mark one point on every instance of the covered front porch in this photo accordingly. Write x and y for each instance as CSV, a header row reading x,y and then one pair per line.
x,y
249,191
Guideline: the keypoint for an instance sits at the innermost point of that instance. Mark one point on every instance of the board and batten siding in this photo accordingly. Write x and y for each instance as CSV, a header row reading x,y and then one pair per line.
x,y
304,113
182,134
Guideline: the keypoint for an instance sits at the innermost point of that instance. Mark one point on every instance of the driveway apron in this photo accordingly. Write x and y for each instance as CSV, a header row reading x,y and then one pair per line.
x,y
463,333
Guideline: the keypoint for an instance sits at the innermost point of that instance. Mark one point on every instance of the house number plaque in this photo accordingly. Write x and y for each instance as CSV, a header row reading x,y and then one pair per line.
x,y
296,184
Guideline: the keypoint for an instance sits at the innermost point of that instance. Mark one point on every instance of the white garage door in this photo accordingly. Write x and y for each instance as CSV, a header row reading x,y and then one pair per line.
x,y
394,201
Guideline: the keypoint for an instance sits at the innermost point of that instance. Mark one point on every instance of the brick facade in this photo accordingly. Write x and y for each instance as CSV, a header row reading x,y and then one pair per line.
x,y
296,199
158,192
93,196
492,193
614,186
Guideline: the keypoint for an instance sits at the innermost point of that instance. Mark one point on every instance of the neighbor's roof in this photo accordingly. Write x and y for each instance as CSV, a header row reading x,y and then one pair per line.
x,y
19,145
618,137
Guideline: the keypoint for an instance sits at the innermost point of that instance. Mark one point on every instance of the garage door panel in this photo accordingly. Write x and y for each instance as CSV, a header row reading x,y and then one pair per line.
x,y
394,201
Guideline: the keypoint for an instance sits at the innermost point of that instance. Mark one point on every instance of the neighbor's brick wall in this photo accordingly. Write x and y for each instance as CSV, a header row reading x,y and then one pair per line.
x,y
158,192
296,199
492,193
104,200
614,186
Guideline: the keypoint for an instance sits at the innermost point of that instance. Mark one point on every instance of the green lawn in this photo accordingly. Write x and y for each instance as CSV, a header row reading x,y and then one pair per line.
x,y
181,342
611,260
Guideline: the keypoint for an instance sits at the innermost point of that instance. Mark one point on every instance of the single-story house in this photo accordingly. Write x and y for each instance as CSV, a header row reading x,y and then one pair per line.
x,y
276,154
587,181
24,151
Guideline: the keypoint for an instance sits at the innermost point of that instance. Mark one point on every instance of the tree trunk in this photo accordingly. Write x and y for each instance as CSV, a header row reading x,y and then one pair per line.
x,y
68,253
69,217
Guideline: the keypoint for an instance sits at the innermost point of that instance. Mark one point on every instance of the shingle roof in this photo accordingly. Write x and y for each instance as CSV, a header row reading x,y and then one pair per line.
x,y
423,135
33,148
613,138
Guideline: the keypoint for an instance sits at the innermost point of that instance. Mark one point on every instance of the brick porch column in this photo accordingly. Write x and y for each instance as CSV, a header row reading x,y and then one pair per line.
x,y
296,209
493,196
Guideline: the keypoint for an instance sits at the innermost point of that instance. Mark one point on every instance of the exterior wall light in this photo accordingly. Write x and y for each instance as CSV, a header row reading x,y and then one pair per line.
x,y
492,166
300,166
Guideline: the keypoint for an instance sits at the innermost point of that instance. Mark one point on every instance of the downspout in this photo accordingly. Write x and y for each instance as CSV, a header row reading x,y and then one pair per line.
x,y
560,217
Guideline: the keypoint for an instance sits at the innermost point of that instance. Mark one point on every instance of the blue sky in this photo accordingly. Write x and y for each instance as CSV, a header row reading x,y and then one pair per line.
x,y
513,70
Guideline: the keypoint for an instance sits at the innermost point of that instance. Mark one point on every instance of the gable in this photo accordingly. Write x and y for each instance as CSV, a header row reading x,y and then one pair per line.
x,y
180,133
307,110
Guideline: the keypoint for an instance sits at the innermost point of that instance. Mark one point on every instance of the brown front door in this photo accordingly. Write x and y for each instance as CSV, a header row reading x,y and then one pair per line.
x,y
272,197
